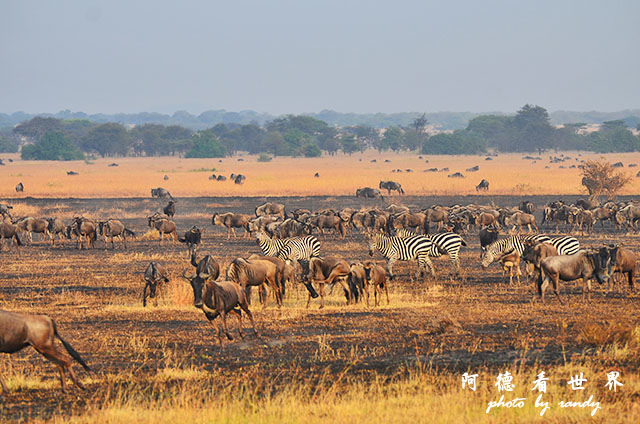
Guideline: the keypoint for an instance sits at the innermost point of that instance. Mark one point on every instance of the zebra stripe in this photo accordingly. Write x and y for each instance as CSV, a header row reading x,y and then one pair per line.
x,y
565,245
444,243
509,244
300,248
405,249
292,248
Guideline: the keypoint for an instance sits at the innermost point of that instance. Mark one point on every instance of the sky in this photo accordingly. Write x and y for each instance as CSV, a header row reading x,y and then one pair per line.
x,y
279,56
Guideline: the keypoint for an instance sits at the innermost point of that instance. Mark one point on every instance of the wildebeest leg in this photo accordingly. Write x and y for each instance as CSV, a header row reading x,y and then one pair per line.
x,y
386,291
239,316
390,263
61,361
366,291
245,308
144,295
555,288
321,288
276,290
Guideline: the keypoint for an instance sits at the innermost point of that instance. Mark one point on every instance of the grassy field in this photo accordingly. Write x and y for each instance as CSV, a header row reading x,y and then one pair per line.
x,y
396,363
339,175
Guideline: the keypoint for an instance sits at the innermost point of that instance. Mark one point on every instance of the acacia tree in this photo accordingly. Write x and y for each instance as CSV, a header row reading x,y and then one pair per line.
x,y
600,178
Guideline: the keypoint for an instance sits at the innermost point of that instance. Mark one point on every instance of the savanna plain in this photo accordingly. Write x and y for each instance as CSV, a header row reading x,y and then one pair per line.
x,y
402,361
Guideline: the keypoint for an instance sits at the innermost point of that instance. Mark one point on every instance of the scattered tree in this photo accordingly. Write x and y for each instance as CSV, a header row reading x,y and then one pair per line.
x,y
600,178
52,146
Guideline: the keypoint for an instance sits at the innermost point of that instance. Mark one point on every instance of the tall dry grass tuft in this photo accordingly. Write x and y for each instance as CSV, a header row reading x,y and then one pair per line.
x,y
151,235
179,293
597,335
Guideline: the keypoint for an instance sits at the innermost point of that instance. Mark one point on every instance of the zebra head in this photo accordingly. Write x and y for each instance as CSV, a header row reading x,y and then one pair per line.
x,y
374,242
487,257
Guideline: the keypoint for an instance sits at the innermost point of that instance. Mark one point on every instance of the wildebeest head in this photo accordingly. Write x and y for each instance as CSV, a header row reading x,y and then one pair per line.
x,y
373,244
206,269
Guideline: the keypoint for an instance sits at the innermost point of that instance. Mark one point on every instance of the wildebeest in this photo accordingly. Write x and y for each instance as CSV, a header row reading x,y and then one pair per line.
x,y
255,272
625,263
271,209
221,178
326,271
112,228
484,185
291,228
221,298
473,169
166,178
9,231
113,164
316,175
31,225
192,238
284,272
170,209
231,221
585,264
487,236
4,211
527,207
376,277
456,175
357,280
368,193
322,222
391,185
84,229
72,173
56,227
408,220
19,188
154,276
18,331
519,219
164,226
534,253
239,179
161,193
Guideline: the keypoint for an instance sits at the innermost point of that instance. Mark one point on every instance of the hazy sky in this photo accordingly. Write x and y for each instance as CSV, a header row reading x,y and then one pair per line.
x,y
281,56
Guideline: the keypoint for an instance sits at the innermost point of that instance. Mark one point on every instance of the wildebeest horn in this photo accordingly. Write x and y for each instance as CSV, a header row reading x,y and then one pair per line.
x,y
189,276
208,309
204,275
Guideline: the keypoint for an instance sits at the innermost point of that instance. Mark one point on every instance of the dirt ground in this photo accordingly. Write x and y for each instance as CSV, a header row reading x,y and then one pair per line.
x,y
95,296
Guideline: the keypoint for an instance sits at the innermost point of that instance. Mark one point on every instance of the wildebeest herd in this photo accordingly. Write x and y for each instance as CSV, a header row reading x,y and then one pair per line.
x,y
291,252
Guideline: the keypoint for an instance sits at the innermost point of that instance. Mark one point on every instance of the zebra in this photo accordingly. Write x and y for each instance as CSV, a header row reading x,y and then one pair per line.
x,y
449,243
565,245
292,248
405,249
299,249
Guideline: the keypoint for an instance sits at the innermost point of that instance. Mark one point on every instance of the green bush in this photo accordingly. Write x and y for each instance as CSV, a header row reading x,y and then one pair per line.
x,y
311,150
206,145
264,158
52,146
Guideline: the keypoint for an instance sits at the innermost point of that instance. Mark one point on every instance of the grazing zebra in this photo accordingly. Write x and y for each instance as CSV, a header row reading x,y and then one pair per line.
x,y
565,245
405,249
448,243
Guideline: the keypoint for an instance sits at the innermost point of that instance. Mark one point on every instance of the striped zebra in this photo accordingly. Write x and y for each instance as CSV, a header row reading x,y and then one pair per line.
x,y
448,243
405,249
291,249
565,245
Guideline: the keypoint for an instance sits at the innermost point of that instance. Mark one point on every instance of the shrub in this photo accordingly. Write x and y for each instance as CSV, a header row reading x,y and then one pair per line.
x,y
264,158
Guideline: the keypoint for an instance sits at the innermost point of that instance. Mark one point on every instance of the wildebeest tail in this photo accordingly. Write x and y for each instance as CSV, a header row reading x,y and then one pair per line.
x,y
75,355
464,243
400,190
18,239
129,232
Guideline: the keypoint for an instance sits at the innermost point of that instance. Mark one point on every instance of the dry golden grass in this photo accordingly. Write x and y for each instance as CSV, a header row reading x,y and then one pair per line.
x,y
508,174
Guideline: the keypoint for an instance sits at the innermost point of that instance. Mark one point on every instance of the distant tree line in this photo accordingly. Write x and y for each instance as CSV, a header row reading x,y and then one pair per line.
x,y
529,130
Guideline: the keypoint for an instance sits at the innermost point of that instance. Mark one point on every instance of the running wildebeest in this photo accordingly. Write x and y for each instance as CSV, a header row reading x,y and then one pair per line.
x,y
484,185
18,331
368,193
154,276
170,209
161,193
326,271
19,188
391,185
